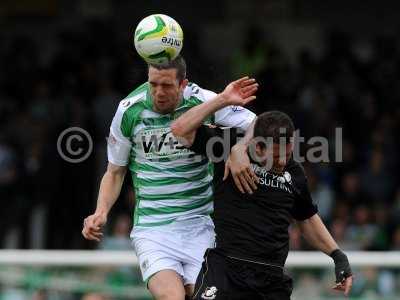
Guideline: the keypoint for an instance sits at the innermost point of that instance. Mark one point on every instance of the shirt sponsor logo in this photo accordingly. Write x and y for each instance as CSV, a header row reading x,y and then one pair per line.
x,y
160,142
272,180
287,177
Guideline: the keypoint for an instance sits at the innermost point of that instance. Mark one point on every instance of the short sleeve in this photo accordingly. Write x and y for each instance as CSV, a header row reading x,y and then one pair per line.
x,y
214,142
119,144
304,207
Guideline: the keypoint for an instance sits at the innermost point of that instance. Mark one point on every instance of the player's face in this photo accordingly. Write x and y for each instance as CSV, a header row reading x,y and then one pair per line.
x,y
166,90
277,156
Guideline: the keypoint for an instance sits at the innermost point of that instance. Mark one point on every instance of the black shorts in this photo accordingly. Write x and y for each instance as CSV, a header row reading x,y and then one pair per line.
x,y
222,277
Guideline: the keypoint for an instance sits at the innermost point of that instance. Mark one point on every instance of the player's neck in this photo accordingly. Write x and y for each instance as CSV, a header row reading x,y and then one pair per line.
x,y
162,112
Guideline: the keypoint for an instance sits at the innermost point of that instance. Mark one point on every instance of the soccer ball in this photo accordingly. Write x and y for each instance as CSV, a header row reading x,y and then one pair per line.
x,y
158,39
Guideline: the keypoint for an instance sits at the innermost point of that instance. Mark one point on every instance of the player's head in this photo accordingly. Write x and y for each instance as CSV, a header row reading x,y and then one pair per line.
x,y
273,139
167,82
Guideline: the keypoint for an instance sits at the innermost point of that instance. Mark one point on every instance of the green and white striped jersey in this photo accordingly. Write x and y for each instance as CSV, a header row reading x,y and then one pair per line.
x,y
170,181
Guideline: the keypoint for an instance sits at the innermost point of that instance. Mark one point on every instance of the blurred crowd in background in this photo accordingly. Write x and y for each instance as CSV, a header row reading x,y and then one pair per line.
x,y
77,78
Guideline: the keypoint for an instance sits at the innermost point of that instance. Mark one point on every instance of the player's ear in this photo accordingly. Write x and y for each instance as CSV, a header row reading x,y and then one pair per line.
x,y
261,149
184,83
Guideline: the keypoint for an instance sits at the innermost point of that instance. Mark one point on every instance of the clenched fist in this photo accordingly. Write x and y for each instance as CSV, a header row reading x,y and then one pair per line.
x,y
92,226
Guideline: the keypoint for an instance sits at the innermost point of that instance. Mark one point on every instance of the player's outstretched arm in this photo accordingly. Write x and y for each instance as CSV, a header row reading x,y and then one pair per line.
x,y
315,232
110,188
239,92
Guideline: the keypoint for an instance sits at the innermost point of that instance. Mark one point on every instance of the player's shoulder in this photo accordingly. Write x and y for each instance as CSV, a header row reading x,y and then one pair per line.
x,y
293,164
296,171
135,99
194,91
137,95
192,88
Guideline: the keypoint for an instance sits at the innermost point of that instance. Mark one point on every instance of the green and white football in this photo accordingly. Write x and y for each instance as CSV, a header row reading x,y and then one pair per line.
x,y
158,39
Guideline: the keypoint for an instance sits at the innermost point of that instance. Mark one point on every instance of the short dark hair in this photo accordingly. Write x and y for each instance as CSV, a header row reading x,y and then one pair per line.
x,y
274,124
178,63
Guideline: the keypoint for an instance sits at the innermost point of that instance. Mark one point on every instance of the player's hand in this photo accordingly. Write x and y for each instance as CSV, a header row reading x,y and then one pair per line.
x,y
92,226
343,273
344,286
238,165
240,92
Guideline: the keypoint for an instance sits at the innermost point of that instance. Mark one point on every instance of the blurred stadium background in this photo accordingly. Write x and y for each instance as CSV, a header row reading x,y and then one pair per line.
x,y
68,63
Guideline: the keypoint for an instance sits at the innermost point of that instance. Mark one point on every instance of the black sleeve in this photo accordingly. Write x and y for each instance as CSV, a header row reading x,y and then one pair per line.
x,y
303,208
214,142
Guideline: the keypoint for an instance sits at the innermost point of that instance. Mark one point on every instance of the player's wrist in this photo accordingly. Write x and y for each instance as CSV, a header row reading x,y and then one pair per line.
x,y
101,211
338,255
223,100
239,148
342,265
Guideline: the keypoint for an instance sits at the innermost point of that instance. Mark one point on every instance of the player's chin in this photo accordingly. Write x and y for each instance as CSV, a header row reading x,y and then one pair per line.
x,y
165,108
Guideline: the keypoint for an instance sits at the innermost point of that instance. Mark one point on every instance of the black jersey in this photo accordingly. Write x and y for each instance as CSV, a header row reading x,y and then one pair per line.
x,y
254,226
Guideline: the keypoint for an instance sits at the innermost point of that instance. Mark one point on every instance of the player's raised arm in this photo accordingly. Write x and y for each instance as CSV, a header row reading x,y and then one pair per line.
x,y
239,92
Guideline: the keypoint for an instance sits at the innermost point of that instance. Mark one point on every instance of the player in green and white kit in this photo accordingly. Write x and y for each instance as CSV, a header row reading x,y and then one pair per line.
x,y
173,187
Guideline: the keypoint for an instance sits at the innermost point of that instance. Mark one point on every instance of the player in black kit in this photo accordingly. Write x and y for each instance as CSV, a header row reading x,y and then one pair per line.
x,y
252,240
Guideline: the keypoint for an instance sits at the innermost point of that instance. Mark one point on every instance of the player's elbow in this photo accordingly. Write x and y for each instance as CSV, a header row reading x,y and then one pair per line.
x,y
310,225
116,171
304,226
184,137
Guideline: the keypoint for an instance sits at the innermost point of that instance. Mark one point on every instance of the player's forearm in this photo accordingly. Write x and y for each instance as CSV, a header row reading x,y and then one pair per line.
x,y
187,123
110,188
315,232
248,135
240,148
